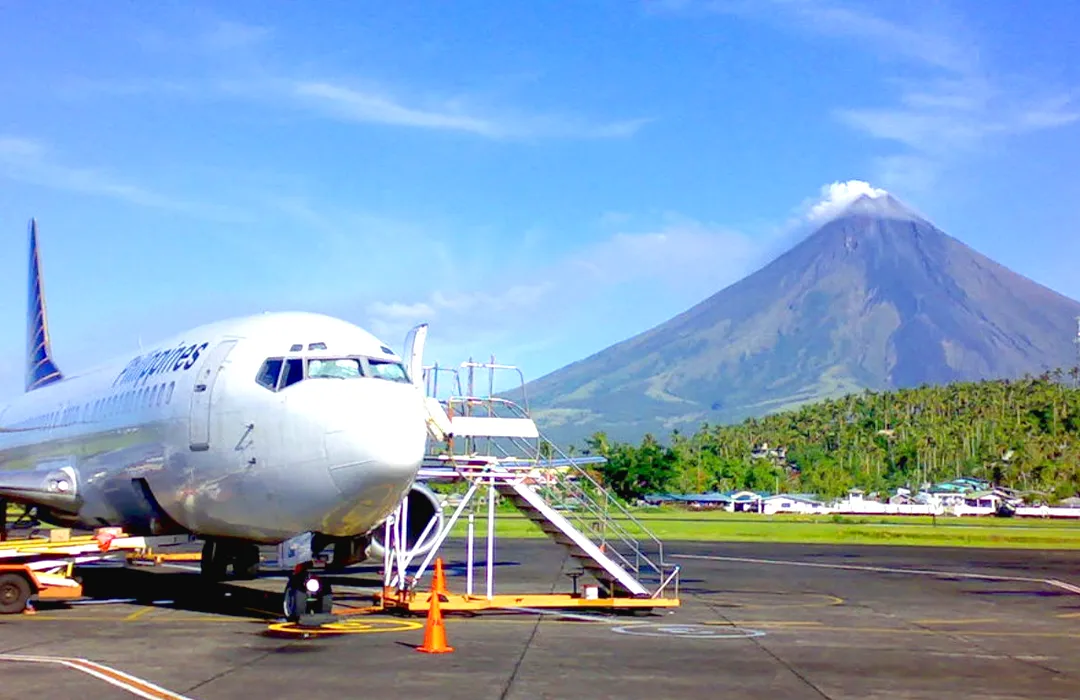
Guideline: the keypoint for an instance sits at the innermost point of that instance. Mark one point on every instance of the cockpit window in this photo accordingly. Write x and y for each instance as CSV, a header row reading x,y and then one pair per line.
x,y
277,373
343,368
294,372
387,369
268,373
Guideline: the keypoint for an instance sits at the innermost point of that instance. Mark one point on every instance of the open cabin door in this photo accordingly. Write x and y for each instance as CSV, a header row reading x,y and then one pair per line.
x,y
414,354
202,394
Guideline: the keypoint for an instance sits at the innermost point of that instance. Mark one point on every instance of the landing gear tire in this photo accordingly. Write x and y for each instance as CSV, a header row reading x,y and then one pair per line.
x,y
246,562
216,557
14,593
306,595
214,561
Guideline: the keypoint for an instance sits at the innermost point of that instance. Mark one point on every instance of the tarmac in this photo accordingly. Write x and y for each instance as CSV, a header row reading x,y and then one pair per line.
x,y
757,621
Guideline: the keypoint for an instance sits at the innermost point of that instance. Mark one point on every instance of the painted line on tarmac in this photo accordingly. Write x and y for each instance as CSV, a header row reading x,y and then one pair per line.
x,y
915,631
654,629
124,681
729,599
182,567
560,613
692,631
887,569
1067,586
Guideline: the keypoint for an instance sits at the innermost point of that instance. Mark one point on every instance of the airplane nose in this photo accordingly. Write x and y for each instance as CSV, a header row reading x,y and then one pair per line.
x,y
378,448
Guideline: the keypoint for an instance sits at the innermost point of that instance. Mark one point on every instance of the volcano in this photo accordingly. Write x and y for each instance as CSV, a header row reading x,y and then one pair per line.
x,y
876,298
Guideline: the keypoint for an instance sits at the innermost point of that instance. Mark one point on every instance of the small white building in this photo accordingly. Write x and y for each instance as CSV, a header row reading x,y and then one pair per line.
x,y
792,503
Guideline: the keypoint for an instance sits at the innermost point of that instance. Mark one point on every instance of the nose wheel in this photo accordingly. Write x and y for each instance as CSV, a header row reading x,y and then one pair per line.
x,y
308,599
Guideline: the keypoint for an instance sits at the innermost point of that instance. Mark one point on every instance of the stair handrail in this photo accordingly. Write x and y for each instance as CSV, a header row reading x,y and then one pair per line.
x,y
600,512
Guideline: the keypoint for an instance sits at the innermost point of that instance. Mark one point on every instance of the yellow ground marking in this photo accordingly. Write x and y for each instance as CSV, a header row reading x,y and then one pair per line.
x,y
350,627
947,621
118,618
1069,615
827,600
138,613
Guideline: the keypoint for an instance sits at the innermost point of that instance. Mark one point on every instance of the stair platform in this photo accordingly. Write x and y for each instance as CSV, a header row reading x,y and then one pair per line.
x,y
418,602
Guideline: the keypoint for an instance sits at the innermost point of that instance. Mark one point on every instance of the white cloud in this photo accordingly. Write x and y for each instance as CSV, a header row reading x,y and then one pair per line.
x,y
373,106
682,254
396,311
32,162
354,105
836,196
225,35
234,60
676,265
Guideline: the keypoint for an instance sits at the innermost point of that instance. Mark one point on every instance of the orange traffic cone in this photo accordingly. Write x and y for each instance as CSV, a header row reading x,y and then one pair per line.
x,y
438,582
434,631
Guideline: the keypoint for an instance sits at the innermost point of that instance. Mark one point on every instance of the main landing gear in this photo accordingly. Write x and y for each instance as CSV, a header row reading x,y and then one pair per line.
x,y
217,555
308,599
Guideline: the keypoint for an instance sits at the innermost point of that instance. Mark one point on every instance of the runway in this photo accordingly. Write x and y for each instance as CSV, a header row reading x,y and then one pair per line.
x,y
757,621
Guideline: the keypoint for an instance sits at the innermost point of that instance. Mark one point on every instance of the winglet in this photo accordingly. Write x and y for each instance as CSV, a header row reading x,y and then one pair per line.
x,y
40,369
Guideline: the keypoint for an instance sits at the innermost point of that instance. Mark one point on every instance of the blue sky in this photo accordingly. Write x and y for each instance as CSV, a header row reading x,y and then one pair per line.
x,y
537,181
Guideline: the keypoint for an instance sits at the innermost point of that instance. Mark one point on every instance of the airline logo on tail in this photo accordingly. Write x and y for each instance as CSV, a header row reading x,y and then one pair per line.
x,y
40,369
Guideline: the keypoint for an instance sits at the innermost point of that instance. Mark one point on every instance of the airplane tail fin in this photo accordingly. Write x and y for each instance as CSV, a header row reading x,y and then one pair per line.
x,y
40,369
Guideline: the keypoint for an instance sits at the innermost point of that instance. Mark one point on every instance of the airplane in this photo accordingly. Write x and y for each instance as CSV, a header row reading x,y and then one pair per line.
x,y
245,432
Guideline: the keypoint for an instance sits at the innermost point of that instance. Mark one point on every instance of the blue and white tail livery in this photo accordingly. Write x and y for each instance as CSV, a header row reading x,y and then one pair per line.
x,y
40,368
241,432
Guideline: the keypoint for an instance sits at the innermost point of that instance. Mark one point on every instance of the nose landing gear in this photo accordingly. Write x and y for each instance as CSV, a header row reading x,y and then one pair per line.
x,y
308,599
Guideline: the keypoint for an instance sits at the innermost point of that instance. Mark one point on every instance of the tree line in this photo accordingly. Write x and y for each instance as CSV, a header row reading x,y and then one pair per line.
x,y
1020,434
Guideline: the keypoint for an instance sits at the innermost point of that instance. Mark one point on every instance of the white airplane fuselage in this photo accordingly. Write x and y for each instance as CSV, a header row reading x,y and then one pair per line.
x,y
185,432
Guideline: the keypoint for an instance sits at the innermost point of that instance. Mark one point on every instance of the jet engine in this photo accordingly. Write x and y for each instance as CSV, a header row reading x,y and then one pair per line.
x,y
423,508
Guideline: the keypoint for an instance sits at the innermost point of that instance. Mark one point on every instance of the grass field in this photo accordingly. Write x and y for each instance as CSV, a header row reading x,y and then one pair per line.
x,y
836,529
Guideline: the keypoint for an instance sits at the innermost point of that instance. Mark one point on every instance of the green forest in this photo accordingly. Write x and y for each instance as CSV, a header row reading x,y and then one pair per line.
x,y
1020,434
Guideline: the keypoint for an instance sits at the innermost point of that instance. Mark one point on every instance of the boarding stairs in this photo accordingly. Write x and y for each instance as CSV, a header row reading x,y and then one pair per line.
x,y
489,440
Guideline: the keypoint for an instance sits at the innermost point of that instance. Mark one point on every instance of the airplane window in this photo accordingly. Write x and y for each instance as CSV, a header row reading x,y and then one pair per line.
x,y
294,372
269,373
386,369
341,368
168,394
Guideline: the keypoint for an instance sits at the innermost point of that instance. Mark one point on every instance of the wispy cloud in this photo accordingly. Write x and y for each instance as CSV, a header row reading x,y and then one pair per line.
x,y
234,61
343,100
32,162
949,111
355,105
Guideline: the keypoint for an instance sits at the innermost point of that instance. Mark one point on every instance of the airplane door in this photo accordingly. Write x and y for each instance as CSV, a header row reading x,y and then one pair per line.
x,y
414,354
199,420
